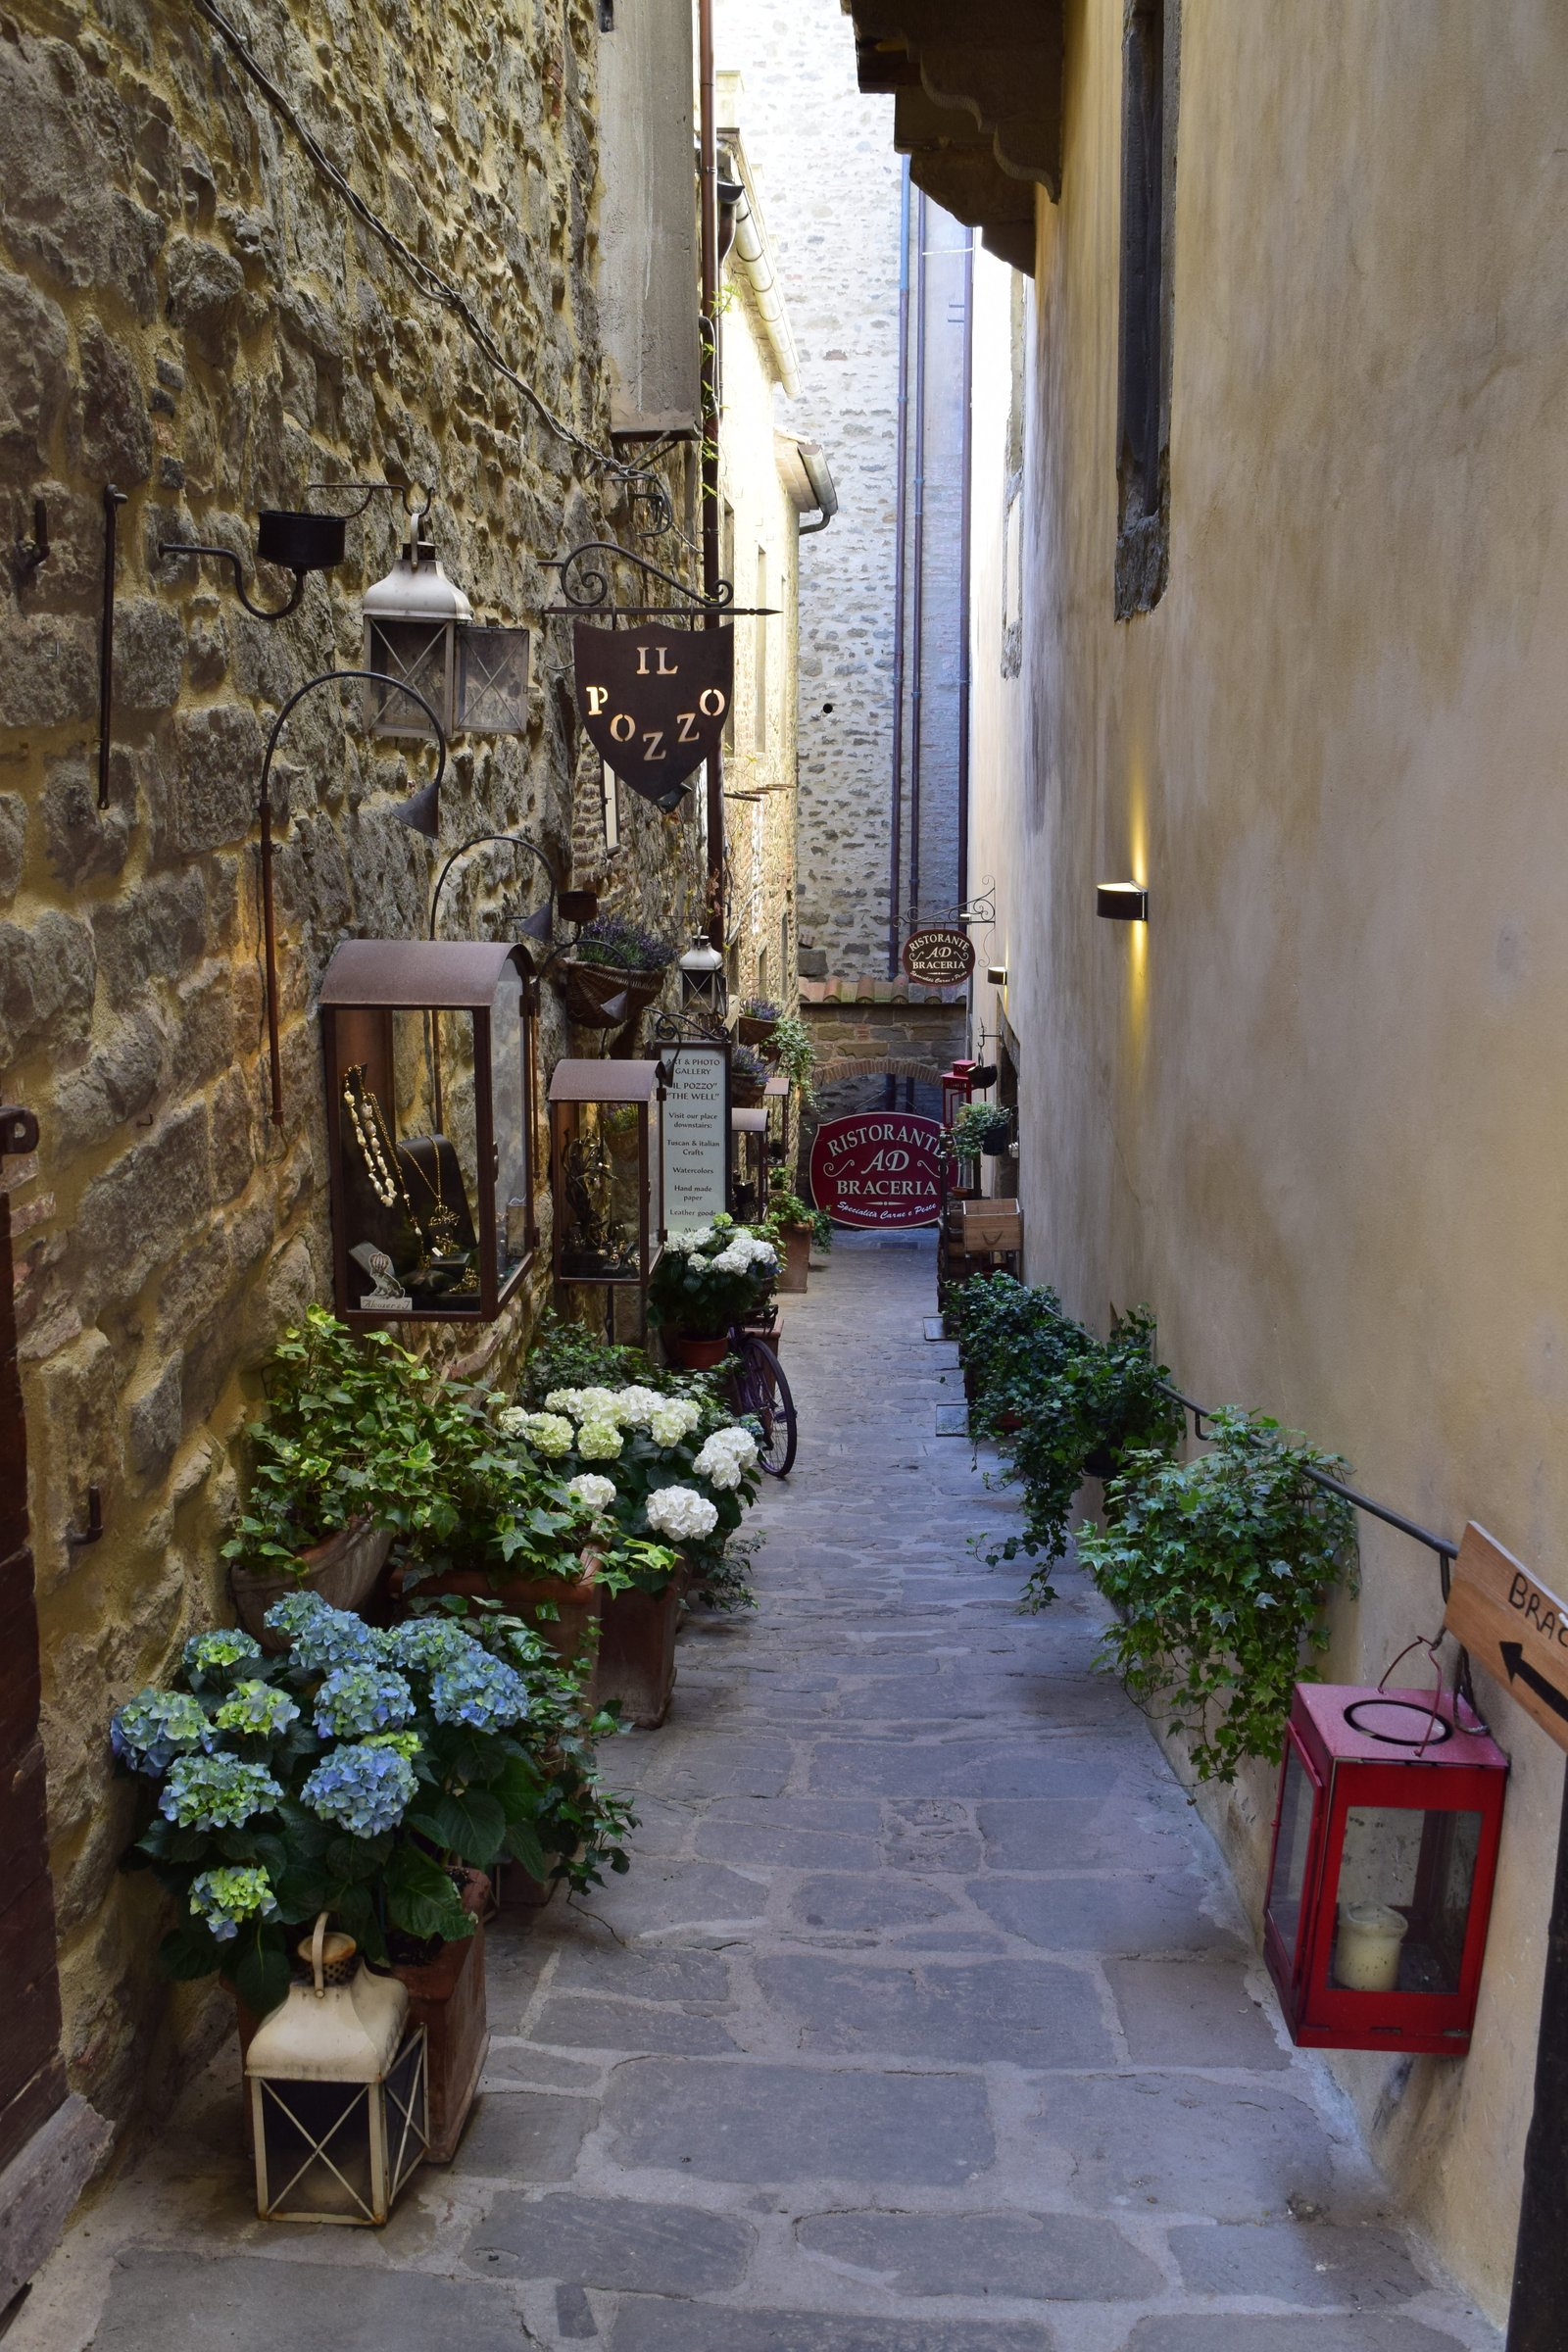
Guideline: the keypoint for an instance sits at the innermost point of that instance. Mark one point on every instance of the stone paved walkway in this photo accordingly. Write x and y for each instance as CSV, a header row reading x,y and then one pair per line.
x,y
924,2021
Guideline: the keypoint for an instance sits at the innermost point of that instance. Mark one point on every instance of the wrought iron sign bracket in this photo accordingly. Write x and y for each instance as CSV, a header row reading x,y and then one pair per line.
x,y
592,591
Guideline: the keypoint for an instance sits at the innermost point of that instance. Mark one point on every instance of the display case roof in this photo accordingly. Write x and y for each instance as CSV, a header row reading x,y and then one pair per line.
x,y
457,976
604,1081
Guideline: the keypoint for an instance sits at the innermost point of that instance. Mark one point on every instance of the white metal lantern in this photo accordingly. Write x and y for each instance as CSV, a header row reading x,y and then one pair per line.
x,y
411,619
701,976
337,2088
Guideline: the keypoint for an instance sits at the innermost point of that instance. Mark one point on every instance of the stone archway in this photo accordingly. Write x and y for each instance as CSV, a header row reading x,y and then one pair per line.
x,y
886,1066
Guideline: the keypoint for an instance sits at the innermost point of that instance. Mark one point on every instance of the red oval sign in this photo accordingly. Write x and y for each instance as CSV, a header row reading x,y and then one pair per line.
x,y
878,1168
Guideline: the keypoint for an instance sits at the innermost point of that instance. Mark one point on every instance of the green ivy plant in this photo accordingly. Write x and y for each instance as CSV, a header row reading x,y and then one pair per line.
x,y
1218,1569
971,1127
790,1048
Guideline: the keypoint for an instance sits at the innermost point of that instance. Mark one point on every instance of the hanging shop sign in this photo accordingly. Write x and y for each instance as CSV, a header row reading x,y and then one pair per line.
x,y
878,1168
653,700
1513,1627
937,955
693,1136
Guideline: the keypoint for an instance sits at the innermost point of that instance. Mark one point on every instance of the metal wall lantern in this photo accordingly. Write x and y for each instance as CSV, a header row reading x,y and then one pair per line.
x,y
996,975
296,542
1379,1884
702,978
337,2088
605,1173
430,1067
419,629
1122,901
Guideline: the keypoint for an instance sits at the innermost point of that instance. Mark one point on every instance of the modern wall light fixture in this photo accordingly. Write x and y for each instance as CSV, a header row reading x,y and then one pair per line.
x,y
294,540
1122,901
997,976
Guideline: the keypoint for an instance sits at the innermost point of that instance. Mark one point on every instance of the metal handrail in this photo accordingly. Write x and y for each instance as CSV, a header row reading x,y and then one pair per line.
x,y
1447,1551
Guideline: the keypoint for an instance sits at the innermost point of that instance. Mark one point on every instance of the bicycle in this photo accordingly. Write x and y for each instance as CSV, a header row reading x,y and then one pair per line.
x,y
759,1390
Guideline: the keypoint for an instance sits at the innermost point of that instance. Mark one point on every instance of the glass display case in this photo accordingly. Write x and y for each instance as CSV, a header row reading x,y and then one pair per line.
x,y
431,1108
604,1172
1380,1886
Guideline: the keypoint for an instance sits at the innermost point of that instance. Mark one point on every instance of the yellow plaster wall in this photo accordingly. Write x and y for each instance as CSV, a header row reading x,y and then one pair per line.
x,y
1317,1114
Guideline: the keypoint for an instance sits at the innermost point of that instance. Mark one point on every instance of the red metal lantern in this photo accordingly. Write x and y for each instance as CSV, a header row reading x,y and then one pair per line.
x,y
1385,1853
956,1089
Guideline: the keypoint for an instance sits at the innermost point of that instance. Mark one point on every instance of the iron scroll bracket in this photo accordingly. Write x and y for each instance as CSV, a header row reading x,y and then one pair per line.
x,y
226,555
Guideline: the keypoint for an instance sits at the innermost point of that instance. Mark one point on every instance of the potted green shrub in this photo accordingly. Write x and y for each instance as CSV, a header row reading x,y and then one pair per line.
x,y
333,1467
374,1775
703,1281
614,972
791,1228
978,1127
1218,1569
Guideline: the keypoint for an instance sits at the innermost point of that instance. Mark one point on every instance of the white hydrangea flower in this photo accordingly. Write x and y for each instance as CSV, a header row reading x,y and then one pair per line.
x,y
681,1513
599,1441
589,1488
732,1260
549,1434
513,1422
564,1400
672,1419
725,1456
633,1406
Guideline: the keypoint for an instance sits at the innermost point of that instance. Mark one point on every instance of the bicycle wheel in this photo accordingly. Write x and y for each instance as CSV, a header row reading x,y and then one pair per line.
x,y
763,1392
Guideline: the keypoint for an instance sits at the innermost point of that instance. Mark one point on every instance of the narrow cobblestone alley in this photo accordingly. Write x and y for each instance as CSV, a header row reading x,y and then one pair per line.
x,y
923,2022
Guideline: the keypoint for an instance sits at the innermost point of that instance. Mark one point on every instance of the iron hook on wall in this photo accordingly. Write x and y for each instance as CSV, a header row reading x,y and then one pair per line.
x,y
421,813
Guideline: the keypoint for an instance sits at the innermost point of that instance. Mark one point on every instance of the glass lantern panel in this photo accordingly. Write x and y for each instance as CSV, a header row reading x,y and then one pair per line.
x,y
1405,1882
493,682
599,1187
418,653
444,1165
407,2123
316,2147
510,1113
1287,1887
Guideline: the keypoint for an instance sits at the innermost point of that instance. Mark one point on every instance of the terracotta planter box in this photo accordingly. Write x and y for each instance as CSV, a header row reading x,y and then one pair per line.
x,y
690,1355
343,1571
446,1995
636,1662
794,1272
572,1627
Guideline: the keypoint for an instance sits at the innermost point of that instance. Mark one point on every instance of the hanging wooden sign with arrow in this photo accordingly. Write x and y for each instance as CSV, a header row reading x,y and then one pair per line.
x,y
1513,1627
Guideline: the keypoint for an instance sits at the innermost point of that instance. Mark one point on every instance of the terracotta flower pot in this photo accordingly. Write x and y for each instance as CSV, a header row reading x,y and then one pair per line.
x,y
689,1353
795,1269
564,1611
446,1995
636,1662
753,1032
343,1571
744,1096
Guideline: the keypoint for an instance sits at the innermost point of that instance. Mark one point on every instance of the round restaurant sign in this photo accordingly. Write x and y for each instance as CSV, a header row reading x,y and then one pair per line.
x,y
877,1167
940,956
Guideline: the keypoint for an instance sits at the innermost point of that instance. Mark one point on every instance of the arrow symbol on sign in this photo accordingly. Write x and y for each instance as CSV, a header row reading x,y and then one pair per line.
x,y
1513,1657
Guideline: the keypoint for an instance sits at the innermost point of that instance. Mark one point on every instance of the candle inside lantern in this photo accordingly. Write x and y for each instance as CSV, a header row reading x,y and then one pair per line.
x,y
1368,1948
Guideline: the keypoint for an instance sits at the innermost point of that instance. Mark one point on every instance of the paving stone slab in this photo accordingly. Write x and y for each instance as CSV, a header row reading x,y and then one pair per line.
x,y
768,2124
763,1845
254,2303
1370,2331
664,2326
612,2242
722,1767
672,1895
1029,2013
524,2136
1080,1834
649,1973
1050,2258
930,1768
1192,2013
578,2021
868,1901
1182,2144
1310,2263
1112,1915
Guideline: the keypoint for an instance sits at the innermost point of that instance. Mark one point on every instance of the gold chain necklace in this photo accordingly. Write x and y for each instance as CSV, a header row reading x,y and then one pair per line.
x,y
440,1222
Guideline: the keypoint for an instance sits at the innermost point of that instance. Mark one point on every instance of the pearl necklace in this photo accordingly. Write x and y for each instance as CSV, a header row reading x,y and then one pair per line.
x,y
369,1133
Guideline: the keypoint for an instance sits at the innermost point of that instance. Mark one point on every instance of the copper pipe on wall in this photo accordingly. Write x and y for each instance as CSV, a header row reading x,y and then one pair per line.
x,y
900,528
917,599
966,460
708,225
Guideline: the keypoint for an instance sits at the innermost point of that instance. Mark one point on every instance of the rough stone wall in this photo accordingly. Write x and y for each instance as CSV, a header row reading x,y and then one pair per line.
x,y
931,1033
187,312
829,183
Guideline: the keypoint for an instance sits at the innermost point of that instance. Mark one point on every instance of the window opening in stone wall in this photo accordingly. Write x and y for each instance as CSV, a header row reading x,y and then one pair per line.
x,y
1143,373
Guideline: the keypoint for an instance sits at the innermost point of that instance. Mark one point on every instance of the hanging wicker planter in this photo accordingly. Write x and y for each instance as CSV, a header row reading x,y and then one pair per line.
x,y
599,998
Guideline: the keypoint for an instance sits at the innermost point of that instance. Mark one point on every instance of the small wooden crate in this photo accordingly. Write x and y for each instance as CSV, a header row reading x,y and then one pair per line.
x,y
989,1225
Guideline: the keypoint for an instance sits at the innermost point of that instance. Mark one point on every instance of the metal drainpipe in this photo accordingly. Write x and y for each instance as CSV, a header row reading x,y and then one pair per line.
x,y
708,217
917,599
899,508
965,460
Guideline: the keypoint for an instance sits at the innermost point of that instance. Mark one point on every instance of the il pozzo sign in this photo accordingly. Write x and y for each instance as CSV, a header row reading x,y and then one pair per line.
x,y
877,1167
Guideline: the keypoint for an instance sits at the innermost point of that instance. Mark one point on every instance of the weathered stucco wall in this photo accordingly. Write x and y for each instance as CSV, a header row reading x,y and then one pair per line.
x,y
1316,1112
187,312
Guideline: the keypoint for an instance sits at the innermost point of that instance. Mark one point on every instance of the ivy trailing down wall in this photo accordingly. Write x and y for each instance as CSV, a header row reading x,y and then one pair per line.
x,y
1218,1568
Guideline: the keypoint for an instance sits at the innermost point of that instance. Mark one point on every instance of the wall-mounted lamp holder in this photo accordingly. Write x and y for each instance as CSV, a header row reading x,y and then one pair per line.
x,y
421,813
295,541
997,976
541,923
1122,901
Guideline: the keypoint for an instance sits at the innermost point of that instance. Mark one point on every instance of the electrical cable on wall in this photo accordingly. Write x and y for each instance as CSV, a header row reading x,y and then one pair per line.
x,y
430,282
